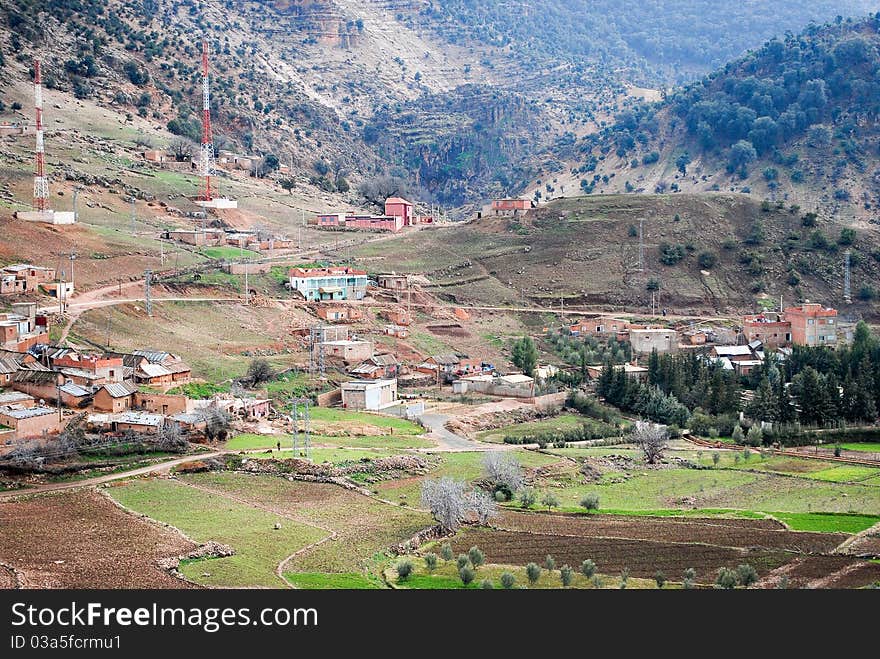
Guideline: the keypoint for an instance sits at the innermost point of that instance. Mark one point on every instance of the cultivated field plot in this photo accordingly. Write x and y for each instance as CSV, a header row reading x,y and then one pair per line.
x,y
249,441
364,527
203,516
613,555
82,540
562,422
726,532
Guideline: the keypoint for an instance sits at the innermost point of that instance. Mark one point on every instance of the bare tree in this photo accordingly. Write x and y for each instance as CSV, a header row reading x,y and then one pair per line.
x,y
481,506
181,149
216,421
501,468
445,498
259,371
171,439
651,439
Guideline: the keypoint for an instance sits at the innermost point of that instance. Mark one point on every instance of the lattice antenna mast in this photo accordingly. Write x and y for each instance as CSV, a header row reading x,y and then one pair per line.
x,y
148,296
847,277
207,159
301,428
41,183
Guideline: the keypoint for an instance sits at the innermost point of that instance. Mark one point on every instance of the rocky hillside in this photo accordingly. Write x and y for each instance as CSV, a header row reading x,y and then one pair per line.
x,y
458,100
795,121
708,252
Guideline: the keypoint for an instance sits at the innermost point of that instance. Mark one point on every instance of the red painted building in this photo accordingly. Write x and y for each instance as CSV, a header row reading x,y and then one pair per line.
x,y
510,206
812,325
771,330
399,207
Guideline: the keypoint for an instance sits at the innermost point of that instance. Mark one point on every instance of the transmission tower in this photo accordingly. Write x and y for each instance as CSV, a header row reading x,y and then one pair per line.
x,y
207,153
316,351
302,432
41,183
847,277
148,298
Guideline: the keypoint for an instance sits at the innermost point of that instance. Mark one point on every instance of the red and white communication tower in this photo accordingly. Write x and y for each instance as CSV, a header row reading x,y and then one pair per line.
x,y
41,211
41,183
207,136
208,198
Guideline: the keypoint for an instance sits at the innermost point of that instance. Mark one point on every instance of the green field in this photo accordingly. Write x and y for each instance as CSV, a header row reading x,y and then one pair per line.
x,y
227,253
247,441
321,581
365,527
845,474
563,422
866,447
201,516
827,522
333,414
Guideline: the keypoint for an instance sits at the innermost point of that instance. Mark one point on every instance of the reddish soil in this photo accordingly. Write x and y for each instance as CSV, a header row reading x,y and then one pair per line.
x,y
612,555
82,540
825,572
736,533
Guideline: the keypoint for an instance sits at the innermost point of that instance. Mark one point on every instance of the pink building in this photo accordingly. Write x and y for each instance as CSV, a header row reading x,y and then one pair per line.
x,y
331,220
392,223
399,207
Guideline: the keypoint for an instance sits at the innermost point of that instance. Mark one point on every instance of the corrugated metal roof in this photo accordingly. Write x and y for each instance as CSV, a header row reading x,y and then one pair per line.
x,y
140,418
28,413
9,397
35,377
120,389
153,370
153,356
178,367
73,389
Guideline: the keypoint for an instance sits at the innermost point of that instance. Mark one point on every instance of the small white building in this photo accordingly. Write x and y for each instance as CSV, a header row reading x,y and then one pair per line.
x,y
370,395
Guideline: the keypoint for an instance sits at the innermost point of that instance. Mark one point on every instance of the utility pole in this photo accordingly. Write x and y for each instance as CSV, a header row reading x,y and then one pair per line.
x,y
108,331
60,291
148,298
76,203
72,257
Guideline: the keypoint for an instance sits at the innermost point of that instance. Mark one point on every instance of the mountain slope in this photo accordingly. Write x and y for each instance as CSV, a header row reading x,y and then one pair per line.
x,y
311,80
796,120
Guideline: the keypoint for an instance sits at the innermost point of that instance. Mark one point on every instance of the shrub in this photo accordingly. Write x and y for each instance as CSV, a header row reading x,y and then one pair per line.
x,y
690,578
624,578
508,581
404,569
716,458
590,502
501,497
746,575
431,562
550,563
486,584
476,557
707,260
462,560
446,552
755,436
737,434
671,254
660,578
588,568
527,497
597,581
847,237
837,449
466,574
566,574
549,499
533,572
726,579
713,433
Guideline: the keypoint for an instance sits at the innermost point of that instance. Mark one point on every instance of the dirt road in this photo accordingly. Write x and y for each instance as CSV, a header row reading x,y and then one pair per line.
x,y
99,480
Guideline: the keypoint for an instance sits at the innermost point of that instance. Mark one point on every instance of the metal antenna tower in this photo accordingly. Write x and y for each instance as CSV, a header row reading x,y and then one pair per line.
x,y
41,183
847,277
207,152
302,432
148,297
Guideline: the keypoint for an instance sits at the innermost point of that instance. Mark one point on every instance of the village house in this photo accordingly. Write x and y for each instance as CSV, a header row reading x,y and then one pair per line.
x,y
333,283
372,395
153,375
397,331
22,329
392,224
116,397
812,325
158,156
16,399
196,237
29,423
645,341
105,368
251,408
74,395
377,367
742,359
348,351
140,422
396,316
393,282
511,206
695,337
24,278
42,385
515,385
639,373
338,314
160,403
769,328
600,327
400,208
